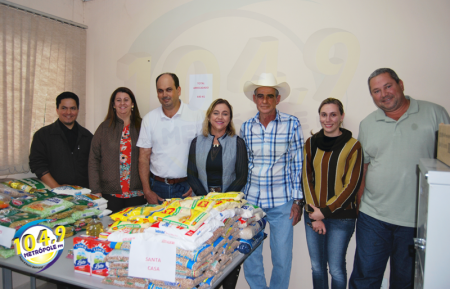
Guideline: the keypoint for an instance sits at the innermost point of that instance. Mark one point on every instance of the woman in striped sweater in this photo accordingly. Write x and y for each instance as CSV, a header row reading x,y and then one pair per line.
x,y
332,172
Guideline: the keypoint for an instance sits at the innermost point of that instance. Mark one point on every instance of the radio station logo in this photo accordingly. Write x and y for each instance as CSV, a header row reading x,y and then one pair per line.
x,y
38,246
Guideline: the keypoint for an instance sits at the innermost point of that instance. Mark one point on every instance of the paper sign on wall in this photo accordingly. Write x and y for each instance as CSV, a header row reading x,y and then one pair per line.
x,y
154,260
6,236
200,91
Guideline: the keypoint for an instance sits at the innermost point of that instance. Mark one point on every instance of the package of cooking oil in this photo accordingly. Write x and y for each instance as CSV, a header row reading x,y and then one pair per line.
x,y
230,195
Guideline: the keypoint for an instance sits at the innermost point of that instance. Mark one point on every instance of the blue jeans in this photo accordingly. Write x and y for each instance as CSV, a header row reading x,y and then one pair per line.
x,y
329,249
281,240
376,242
166,191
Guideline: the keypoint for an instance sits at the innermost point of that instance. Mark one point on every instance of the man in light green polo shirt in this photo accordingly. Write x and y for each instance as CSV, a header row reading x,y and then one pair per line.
x,y
394,138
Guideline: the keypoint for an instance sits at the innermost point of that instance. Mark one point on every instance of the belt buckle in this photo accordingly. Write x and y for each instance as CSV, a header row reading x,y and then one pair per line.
x,y
165,180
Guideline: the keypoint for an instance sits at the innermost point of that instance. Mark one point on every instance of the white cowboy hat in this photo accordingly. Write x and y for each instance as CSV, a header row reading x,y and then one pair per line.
x,y
267,79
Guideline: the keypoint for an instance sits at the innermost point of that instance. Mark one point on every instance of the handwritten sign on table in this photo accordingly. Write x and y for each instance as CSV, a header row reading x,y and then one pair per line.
x,y
154,260
6,235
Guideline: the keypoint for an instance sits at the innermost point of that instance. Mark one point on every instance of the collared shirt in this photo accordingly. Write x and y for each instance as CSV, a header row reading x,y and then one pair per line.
x,y
275,156
393,149
170,139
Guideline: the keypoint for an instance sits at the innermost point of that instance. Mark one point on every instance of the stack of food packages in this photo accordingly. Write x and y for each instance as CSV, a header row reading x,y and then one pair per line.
x,y
26,200
206,231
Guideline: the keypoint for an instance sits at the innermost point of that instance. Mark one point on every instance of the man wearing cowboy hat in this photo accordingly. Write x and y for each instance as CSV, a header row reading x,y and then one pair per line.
x,y
274,142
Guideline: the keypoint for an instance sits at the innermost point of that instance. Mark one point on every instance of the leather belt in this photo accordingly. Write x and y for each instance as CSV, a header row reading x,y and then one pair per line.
x,y
168,181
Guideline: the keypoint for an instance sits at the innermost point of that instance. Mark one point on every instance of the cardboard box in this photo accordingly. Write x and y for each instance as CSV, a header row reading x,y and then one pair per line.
x,y
443,151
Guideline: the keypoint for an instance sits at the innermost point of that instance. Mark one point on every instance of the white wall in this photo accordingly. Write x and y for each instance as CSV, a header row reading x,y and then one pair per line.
x,y
322,48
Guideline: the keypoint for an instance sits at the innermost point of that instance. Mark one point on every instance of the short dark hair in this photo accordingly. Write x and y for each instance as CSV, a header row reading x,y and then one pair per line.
x,y
174,77
67,94
379,71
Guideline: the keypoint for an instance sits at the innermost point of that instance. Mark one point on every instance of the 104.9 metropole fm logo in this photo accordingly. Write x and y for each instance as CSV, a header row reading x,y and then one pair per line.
x,y
39,246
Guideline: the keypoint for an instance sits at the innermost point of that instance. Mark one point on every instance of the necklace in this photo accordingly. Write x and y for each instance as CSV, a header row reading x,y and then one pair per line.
x,y
216,145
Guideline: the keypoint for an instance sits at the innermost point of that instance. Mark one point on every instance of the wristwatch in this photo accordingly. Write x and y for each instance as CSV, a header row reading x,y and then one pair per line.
x,y
300,202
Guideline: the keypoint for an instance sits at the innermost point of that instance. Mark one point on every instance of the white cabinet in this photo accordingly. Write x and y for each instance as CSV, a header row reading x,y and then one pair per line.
x,y
433,229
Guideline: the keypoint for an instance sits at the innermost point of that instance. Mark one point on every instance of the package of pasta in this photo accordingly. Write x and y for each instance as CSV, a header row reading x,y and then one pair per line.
x,y
95,200
128,282
61,215
14,218
47,207
81,205
230,195
81,224
65,221
71,190
45,194
86,213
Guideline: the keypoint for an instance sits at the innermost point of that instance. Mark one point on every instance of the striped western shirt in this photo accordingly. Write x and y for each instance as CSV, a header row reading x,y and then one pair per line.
x,y
275,156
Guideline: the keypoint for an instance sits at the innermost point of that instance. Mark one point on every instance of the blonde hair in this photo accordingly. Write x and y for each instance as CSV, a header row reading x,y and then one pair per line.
x,y
207,125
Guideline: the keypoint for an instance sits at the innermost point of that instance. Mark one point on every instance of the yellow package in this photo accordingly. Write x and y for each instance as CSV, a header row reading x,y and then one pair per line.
x,y
120,216
187,218
147,210
125,226
230,195
225,204
204,205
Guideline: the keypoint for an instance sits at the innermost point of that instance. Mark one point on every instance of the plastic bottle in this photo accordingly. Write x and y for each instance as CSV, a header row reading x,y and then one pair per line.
x,y
95,227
